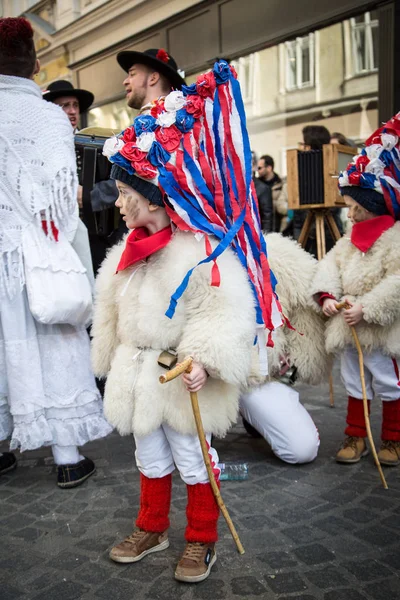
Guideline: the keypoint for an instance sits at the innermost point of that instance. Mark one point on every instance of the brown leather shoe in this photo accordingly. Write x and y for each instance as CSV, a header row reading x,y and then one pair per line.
x,y
137,545
352,450
196,562
389,454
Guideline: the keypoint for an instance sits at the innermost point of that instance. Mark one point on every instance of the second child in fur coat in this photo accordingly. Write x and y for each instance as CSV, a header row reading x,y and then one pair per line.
x,y
364,269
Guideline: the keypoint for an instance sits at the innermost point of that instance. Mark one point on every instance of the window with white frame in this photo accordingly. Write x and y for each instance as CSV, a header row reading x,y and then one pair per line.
x,y
364,40
245,70
300,62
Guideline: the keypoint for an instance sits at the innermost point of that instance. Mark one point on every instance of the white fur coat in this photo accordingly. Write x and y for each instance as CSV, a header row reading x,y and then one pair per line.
x,y
371,278
216,325
295,269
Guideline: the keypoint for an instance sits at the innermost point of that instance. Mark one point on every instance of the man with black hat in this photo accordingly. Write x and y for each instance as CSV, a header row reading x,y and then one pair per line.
x,y
73,101
151,74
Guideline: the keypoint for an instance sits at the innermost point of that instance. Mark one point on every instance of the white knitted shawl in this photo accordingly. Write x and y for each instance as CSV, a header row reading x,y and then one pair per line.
x,y
37,172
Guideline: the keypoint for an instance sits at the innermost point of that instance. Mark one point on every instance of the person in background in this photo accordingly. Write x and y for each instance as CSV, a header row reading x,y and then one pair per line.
x,y
48,395
151,75
267,175
264,197
314,137
339,138
72,100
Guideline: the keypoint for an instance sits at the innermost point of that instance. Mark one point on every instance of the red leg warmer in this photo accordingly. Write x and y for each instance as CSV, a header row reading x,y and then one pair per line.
x,y
202,514
155,500
355,418
391,420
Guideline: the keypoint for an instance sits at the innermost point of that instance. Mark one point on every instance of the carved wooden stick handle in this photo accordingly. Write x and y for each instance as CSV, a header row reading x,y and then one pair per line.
x,y
341,305
184,366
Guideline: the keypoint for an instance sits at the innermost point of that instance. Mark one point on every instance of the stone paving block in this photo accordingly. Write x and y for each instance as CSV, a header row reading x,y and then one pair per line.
x,y
8,509
333,525
367,570
149,571
45,580
52,522
388,589
302,597
348,546
379,502
65,590
302,534
392,559
285,583
67,561
277,560
20,562
329,577
314,554
378,536
117,589
29,534
40,509
205,590
9,592
247,586
256,522
347,594
167,587
392,521
359,515
291,516
339,495
17,521
99,544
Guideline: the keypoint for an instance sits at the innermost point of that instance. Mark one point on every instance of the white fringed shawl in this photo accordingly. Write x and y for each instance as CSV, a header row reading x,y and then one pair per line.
x,y
37,172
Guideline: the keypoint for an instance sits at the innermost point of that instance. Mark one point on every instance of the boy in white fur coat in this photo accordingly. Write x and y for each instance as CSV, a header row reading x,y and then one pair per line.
x,y
130,330
364,269
166,170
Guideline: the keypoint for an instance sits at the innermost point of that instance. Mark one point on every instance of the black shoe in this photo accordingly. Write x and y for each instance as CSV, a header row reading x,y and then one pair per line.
x,y
250,429
70,476
8,462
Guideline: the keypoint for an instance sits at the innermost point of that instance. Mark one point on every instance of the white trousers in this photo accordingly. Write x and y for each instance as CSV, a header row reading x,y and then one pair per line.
x,y
158,452
274,410
381,374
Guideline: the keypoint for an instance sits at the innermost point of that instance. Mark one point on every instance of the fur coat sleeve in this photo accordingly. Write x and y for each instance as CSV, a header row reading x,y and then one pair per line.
x,y
295,269
220,321
327,276
104,326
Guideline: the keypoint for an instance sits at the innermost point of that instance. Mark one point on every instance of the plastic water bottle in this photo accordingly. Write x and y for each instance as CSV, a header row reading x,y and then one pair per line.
x,y
233,471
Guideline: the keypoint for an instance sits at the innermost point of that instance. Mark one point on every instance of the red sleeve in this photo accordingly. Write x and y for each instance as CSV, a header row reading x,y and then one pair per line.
x,y
323,296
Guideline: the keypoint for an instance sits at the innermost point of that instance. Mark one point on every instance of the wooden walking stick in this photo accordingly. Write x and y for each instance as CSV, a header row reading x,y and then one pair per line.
x,y
346,305
185,367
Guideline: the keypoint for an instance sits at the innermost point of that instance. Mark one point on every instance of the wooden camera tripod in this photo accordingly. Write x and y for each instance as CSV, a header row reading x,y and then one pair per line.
x,y
320,216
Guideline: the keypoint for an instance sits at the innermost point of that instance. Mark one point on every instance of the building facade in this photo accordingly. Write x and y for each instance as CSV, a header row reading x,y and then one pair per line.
x,y
298,62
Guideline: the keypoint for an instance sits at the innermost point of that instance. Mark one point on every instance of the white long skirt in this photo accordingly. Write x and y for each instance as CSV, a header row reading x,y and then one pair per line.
x,y
48,393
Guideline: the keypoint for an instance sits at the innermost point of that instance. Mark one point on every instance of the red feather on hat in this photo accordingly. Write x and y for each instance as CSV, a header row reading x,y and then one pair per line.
x,y
162,55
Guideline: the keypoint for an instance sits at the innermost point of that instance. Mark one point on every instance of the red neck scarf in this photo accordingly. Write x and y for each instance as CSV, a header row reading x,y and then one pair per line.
x,y
365,233
140,244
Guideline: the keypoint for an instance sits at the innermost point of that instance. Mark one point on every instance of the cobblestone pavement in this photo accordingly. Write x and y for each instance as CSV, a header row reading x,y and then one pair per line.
x,y
314,532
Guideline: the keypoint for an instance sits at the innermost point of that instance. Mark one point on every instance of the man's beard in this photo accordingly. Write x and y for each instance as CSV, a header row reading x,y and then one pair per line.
x,y
136,99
